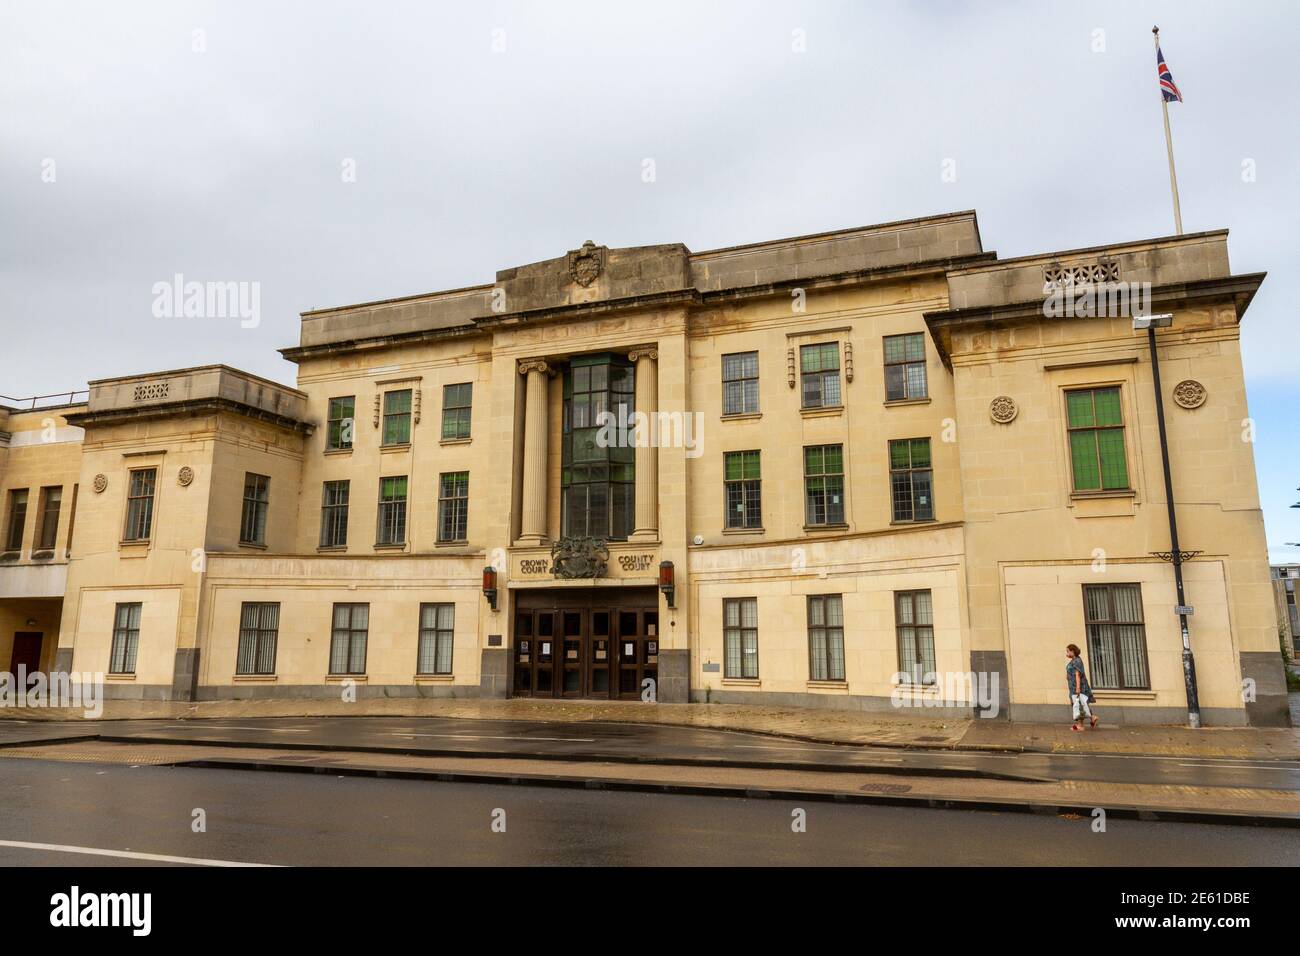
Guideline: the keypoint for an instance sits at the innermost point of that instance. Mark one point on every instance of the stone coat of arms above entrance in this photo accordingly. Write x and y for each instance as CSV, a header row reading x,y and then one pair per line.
x,y
587,263
579,558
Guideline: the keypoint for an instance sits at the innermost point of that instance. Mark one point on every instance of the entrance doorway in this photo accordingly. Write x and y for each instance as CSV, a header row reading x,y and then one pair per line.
x,y
594,646
26,653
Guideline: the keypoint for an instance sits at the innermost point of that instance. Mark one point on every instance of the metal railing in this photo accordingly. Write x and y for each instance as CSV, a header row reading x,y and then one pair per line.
x,y
53,400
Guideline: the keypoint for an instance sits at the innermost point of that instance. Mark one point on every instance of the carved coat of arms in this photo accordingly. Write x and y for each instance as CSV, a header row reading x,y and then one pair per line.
x,y
579,558
586,264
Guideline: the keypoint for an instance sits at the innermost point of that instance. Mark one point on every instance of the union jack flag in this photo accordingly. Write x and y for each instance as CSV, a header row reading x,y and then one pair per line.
x,y
1168,88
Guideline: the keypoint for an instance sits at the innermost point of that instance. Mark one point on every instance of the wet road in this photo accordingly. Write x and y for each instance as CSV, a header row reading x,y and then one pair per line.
x,y
658,743
133,815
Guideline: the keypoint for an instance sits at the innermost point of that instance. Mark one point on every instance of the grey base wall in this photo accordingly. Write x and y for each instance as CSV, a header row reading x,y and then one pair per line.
x,y
494,673
1270,708
879,705
1113,712
334,691
63,660
994,662
674,677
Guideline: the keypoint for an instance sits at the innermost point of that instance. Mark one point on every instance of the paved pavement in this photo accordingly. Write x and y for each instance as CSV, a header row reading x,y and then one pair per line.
x,y
630,743
911,729
69,814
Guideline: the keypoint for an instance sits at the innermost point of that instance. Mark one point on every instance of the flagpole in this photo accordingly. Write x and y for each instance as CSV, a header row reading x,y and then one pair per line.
x,y
1169,149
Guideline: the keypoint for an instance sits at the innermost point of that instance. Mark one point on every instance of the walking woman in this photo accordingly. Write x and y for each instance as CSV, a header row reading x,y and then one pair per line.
x,y
1080,692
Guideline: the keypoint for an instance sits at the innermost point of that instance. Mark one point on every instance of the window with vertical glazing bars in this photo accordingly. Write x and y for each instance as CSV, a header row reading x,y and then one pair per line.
x,y
341,422
48,532
126,639
1095,422
914,621
824,484
742,471
437,631
259,627
453,506
457,403
1117,638
392,511
139,504
820,375
740,383
252,526
905,367
911,479
16,520
397,417
334,514
825,637
348,638
740,637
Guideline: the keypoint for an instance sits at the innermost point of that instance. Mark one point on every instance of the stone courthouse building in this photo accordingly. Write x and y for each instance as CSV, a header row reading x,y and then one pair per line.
x,y
877,462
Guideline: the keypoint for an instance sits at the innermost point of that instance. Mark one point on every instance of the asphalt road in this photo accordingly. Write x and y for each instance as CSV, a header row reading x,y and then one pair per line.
x,y
650,742
291,819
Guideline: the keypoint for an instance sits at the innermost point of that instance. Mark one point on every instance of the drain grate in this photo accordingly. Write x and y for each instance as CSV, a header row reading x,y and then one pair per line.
x,y
885,787
931,739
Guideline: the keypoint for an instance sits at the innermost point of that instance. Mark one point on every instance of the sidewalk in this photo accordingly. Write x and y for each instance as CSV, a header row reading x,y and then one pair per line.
x,y
829,726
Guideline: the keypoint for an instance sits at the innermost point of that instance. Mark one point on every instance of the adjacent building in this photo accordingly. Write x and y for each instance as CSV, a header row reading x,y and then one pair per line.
x,y
828,471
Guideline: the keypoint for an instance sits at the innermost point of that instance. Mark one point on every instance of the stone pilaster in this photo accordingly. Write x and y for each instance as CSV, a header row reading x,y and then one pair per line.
x,y
647,453
533,524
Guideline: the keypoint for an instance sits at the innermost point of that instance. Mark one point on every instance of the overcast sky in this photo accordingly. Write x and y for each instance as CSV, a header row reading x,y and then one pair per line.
x,y
485,135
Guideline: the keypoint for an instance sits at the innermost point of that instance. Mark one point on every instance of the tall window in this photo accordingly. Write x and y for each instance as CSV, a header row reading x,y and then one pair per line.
x,y
820,368
17,519
348,638
598,473
259,626
740,383
1096,427
905,367
392,511
740,637
139,504
823,469
825,637
252,526
334,514
914,620
744,487
1117,637
48,532
437,629
911,479
126,639
453,506
397,417
457,402
341,423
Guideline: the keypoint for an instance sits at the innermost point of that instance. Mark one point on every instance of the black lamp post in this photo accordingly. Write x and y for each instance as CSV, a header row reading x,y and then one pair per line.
x,y
1175,556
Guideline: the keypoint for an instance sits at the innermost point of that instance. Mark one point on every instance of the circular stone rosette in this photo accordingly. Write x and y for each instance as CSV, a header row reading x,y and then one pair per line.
x,y
185,476
1189,393
100,483
1003,410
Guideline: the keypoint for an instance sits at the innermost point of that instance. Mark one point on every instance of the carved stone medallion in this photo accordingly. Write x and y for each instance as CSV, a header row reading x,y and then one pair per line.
x,y
587,263
100,483
185,476
1189,393
1003,410
579,558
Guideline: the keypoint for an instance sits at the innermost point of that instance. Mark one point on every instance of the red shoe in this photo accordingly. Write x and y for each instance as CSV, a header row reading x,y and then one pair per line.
x,y
1094,723
1076,727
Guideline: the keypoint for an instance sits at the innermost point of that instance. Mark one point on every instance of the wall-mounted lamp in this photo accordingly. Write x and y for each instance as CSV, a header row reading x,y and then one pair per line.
x,y
667,583
490,586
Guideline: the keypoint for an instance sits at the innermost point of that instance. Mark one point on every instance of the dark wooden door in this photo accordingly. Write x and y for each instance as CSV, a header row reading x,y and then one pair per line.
x,y
26,653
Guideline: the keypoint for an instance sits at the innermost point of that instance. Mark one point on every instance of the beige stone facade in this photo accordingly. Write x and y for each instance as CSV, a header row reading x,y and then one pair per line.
x,y
870,479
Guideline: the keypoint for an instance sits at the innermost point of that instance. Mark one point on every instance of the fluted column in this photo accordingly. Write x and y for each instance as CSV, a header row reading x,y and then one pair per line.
x,y
647,452
533,527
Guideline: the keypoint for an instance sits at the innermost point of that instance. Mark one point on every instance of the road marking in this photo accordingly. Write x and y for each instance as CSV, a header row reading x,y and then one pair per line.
x,y
1239,766
274,730
125,854
574,740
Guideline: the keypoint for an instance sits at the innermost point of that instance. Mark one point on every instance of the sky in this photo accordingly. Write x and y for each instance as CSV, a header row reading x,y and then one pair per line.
x,y
340,152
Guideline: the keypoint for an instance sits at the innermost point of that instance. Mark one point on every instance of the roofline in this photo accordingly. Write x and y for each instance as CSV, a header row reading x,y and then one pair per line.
x,y
198,368
1094,249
